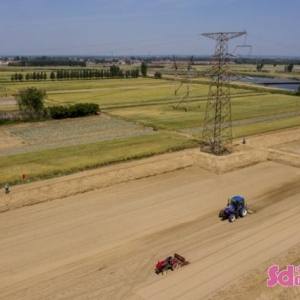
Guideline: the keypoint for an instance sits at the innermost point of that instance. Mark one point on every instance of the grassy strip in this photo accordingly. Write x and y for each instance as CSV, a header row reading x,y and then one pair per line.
x,y
267,126
56,162
261,127
137,96
258,106
80,85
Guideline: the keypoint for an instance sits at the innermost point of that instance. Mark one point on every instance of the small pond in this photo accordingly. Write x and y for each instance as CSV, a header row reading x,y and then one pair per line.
x,y
282,83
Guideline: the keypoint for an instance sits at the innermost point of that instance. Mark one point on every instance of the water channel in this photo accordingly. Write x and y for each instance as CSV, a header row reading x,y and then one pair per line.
x,y
282,83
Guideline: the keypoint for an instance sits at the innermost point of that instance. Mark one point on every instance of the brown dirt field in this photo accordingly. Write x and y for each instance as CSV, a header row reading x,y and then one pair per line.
x,y
9,141
31,137
104,243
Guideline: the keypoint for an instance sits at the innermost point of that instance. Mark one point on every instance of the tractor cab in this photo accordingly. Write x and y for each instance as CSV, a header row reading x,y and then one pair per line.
x,y
237,201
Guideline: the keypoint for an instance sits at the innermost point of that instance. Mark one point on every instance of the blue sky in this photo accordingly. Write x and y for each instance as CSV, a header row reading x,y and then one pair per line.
x,y
138,27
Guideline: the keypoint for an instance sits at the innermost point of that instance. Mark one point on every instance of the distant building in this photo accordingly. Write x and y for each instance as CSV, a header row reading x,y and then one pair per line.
x,y
4,62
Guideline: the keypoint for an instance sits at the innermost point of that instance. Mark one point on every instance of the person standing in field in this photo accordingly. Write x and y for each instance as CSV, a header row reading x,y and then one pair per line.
x,y
6,188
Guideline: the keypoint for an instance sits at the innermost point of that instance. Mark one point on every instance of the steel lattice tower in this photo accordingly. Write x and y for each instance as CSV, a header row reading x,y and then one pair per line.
x,y
217,130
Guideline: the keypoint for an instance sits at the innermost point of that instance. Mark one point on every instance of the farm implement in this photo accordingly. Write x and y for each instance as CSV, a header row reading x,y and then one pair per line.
x,y
170,263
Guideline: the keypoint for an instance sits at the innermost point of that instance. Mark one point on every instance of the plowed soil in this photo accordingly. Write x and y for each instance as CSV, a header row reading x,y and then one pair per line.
x,y
104,244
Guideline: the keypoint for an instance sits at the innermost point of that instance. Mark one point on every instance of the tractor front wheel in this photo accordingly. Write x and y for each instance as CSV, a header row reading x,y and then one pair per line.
x,y
221,214
243,212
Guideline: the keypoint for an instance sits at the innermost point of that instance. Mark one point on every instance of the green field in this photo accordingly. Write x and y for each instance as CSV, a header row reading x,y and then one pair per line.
x,y
150,102
264,127
145,101
67,160
117,92
165,117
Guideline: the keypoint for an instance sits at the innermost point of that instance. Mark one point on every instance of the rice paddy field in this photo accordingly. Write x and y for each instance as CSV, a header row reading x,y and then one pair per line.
x,y
151,101
170,121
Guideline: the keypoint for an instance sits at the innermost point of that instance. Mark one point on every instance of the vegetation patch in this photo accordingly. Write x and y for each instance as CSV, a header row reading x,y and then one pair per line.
x,y
267,126
139,108
67,160
191,114
74,111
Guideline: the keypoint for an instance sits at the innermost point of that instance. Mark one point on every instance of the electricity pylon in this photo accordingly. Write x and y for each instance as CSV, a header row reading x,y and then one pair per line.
x,y
186,98
217,129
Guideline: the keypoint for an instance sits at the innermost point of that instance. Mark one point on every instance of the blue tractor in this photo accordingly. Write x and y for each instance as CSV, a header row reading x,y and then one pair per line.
x,y
236,208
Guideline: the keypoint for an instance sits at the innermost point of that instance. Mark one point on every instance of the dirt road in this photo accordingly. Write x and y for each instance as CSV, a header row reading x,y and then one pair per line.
x,y
104,244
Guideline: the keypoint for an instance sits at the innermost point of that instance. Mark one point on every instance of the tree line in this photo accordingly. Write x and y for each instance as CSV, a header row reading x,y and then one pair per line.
x,y
29,76
288,68
46,61
66,74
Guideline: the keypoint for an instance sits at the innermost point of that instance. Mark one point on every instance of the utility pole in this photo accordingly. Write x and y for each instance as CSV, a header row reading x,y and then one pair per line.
x,y
217,129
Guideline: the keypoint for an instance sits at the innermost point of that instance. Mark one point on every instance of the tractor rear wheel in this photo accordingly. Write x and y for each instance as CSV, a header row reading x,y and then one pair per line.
x,y
232,218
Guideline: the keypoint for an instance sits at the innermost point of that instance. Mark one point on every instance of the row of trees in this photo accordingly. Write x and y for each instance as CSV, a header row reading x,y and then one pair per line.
x,y
112,72
29,76
287,68
46,61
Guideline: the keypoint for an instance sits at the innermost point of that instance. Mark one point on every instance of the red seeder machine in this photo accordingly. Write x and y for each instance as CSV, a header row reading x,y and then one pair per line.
x,y
170,263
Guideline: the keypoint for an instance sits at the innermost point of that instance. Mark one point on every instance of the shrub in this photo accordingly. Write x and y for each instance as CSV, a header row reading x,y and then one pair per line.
x,y
157,75
74,111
